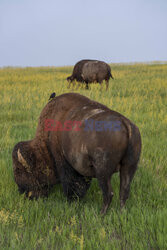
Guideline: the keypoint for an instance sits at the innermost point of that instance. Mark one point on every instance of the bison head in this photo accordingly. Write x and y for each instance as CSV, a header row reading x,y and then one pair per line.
x,y
33,172
70,78
23,166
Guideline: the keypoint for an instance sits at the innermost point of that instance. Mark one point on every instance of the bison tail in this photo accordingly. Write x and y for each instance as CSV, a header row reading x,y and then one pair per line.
x,y
134,145
111,76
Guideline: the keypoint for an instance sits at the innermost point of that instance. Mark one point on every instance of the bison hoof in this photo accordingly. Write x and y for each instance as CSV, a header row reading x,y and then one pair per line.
x,y
104,210
122,204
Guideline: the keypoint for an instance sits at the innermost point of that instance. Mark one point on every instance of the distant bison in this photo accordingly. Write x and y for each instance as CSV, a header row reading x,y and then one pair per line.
x,y
78,139
89,71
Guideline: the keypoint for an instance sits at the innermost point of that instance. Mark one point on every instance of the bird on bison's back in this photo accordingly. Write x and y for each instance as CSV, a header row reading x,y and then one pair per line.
x,y
89,71
75,156
53,95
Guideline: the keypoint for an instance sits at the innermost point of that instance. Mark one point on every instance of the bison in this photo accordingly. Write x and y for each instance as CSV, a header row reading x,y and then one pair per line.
x,y
89,71
78,139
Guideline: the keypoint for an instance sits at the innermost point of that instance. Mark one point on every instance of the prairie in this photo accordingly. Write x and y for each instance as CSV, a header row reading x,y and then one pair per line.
x,y
139,92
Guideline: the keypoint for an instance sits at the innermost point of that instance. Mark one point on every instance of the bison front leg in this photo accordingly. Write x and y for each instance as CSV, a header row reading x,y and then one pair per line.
x,y
126,176
107,83
74,184
70,83
87,85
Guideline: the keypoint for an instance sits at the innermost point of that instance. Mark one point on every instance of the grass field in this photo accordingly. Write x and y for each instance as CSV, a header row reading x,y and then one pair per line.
x,y
140,93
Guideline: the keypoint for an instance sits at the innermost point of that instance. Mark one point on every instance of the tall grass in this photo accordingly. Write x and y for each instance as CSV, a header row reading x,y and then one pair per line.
x,y
138,92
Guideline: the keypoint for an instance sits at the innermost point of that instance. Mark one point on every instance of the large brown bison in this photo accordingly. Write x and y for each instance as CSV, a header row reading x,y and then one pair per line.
x,y
78,139
89,71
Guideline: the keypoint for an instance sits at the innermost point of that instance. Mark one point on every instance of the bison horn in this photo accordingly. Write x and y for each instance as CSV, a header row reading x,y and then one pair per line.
x,y
23,161
29,194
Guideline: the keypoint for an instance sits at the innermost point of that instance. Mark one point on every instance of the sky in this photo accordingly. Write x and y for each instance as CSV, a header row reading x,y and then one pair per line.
x,y
62,32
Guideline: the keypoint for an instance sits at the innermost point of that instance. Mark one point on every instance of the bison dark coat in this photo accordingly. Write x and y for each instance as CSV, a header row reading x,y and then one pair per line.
x,y
76,155
89,71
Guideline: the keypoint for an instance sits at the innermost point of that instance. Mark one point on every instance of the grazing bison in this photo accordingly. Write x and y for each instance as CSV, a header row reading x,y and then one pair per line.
x,y
78,139
89,71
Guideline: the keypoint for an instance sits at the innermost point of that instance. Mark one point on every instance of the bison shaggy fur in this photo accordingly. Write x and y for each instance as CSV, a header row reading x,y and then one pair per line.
x,y
89,71
75,155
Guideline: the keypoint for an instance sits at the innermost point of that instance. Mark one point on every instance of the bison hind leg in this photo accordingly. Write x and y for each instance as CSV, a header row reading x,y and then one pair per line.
x,y
74,185
126,175
104,168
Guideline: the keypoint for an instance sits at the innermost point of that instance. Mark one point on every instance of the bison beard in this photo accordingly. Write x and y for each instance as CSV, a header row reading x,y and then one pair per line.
x,y
74,185
75,157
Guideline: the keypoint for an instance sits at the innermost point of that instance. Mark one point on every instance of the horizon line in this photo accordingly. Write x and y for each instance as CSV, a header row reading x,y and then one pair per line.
x,y
117,63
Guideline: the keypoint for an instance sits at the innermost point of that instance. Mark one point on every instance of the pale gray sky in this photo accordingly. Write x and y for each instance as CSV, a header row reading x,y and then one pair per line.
x,y
55,33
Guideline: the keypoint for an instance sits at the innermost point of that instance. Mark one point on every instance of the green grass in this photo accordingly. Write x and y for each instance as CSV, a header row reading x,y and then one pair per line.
x,y
138,92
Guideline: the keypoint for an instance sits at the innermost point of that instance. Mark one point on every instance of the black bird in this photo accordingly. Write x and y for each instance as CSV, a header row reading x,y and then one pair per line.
x,y
52,96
